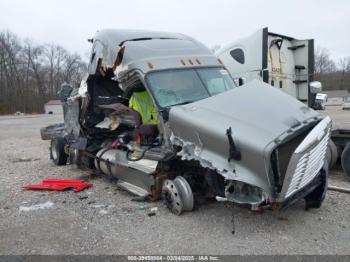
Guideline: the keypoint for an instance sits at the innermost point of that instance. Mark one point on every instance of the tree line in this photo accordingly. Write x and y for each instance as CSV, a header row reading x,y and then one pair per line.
x,y
334,75
31,74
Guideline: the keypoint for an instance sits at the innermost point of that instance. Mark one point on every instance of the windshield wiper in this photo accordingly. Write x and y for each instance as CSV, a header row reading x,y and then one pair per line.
x,y
185,103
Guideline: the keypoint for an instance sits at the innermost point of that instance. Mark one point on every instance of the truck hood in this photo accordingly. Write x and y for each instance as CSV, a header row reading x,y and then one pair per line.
x,y
259,115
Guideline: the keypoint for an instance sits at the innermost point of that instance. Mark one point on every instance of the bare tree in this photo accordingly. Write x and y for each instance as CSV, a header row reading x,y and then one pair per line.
x,y
31,74
50,54
323,62
11,79
344,67
332,75
344,64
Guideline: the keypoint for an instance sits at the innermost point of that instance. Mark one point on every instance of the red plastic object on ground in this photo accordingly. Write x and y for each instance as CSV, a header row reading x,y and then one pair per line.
x,y
60,185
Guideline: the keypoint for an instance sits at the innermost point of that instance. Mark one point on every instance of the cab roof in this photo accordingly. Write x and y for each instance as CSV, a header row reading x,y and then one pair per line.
x,y
148,50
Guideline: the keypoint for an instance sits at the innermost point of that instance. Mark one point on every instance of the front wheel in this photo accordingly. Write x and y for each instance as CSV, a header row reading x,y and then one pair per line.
x,y
57,154
177,195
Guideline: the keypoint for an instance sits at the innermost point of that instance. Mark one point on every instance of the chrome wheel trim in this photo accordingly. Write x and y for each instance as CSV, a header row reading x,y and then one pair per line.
x,y
171,197
54,152
185,193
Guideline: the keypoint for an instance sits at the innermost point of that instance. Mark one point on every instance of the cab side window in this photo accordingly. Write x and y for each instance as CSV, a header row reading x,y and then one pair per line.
x,y
238,55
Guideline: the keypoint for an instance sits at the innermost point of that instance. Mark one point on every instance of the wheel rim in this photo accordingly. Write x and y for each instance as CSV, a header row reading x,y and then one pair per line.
x,y
171,197
177,195
185,193
54,150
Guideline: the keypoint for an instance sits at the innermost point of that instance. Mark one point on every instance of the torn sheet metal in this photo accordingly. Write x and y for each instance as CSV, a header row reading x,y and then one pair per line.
x,y
200,129
83,88
190,151
71,118
52,131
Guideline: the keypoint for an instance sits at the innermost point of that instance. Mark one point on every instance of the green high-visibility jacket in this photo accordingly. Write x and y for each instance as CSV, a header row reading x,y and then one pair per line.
x,y
143,104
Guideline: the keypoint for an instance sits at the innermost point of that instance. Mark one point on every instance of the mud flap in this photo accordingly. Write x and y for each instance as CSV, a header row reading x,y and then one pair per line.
x,y
315,198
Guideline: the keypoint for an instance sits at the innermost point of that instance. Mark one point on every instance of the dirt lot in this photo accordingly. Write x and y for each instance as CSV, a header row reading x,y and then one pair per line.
x,y
104,220
340,118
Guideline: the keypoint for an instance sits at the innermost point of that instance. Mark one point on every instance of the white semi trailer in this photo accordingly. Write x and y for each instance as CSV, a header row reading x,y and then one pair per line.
x,y
282,61
285,63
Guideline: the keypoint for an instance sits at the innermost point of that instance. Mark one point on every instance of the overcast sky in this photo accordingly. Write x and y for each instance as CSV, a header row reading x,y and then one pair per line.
x,y
71,22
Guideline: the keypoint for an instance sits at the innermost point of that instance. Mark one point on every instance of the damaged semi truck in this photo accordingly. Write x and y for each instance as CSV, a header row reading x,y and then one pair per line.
x,y
194,131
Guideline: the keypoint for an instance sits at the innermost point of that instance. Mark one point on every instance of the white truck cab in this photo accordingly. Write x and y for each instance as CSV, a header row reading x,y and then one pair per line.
x,y
282,61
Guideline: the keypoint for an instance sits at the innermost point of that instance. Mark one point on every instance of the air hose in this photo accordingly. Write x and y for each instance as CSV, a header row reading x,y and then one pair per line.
x,y
142,155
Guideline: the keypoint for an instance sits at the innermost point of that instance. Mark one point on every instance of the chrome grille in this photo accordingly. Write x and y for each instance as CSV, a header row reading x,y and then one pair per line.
x,y
308,167
308,159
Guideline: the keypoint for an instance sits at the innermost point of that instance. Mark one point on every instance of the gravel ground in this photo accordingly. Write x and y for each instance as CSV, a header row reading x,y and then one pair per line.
x,y
340,118
104,220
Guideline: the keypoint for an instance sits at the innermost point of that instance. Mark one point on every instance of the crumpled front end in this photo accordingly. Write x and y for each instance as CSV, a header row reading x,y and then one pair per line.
x,y
281,146
243,186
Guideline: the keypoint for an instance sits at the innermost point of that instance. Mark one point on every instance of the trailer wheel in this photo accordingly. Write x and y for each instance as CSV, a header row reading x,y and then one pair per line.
x,y
332,153
345,159
57,154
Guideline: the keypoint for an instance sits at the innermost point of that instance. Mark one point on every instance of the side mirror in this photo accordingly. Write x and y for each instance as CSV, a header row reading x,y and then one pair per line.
x,y
315,87
65,92
241,81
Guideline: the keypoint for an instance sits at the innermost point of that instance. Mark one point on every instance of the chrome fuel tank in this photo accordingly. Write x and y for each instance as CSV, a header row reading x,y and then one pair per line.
x,y
134,176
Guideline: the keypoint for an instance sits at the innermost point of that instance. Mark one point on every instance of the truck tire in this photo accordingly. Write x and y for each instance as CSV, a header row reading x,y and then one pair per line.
x,y
345,159
332,153
57,154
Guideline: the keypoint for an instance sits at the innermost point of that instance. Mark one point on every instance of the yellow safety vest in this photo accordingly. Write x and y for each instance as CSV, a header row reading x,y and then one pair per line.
x,y
143,104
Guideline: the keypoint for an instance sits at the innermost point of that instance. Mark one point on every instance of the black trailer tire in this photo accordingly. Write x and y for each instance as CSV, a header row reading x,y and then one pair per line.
x,y
345,159
57,154
332,154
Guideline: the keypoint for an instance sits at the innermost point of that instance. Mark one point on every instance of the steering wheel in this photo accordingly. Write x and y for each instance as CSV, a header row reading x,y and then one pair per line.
x,y
168,96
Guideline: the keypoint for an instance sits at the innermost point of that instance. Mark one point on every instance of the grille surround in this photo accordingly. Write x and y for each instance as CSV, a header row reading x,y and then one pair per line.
x,y
307,159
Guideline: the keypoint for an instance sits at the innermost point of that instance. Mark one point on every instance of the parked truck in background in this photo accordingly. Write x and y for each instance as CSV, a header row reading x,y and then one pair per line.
x,y
281,61
320,101
286,63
